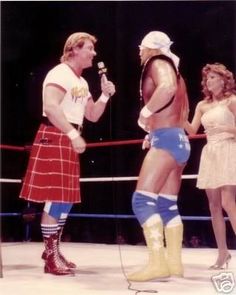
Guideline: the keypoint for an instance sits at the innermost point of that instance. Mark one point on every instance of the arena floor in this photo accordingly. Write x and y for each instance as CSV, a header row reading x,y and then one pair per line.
x,y
100,271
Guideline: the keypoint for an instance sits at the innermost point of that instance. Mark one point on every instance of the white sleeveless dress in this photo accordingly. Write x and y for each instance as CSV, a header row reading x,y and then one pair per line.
x,y
218,159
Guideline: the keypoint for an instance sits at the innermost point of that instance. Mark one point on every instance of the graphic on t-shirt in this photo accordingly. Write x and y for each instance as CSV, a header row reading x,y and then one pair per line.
x,y
79,93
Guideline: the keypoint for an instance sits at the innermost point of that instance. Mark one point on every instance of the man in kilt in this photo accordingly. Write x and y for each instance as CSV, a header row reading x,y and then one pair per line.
x,y
53,171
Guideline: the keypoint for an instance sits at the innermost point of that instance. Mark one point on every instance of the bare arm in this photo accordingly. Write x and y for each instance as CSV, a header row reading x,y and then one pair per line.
x,y
164,78
233,110
94,110
192,128
232,106
53,97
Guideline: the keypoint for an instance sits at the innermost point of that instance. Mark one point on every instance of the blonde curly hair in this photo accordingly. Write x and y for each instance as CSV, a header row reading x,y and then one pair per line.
x,y
226,75
75,40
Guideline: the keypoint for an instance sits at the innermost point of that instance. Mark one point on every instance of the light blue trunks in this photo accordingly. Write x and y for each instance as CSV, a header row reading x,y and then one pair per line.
x,y
172,140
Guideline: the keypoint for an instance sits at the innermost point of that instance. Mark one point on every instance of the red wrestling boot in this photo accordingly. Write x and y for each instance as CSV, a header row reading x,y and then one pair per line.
x,y
66,263
53,264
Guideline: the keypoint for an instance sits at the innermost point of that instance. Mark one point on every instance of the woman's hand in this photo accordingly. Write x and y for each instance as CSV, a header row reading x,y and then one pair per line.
x,y
213,129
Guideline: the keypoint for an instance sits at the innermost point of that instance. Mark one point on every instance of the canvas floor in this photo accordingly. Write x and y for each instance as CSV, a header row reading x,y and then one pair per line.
x,y
100,271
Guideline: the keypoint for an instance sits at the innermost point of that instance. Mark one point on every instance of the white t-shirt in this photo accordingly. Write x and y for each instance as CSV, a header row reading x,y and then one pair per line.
x,y
77,92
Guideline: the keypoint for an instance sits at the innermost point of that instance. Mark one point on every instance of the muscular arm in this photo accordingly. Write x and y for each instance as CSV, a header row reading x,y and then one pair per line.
x,y
53,97
161,84
94,110
164,78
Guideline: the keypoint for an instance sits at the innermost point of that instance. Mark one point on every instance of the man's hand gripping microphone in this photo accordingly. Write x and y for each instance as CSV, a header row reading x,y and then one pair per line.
x,y
102,70
108,87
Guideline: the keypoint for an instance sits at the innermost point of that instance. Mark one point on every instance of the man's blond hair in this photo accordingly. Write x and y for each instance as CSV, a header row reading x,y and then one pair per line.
x,y
75,40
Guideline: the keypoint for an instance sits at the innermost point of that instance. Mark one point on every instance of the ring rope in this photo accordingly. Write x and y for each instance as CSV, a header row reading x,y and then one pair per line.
x,y
114,216
99,179
102,179
95,144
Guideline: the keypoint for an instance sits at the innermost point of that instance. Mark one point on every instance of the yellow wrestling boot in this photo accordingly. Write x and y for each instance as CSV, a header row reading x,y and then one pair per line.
x,y
157,268
174,237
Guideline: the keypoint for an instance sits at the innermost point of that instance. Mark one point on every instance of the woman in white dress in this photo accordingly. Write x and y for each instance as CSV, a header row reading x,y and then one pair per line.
x,y
217,169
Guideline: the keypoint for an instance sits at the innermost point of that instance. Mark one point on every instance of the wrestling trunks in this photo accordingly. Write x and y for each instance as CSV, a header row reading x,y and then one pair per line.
x,y
173,140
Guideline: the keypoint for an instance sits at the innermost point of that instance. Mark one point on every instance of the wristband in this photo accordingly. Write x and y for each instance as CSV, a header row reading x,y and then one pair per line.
x,y
72,134
141,125
104,98
145,112
147,137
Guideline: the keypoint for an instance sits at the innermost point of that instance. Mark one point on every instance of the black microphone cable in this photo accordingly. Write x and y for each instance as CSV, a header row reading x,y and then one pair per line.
x,y
103,71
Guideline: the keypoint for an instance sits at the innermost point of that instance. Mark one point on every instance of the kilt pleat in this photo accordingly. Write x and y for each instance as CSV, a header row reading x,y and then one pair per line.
x,y
53,169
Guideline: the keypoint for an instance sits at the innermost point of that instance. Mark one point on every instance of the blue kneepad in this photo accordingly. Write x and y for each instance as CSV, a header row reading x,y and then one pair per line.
x,y
164,205
56,209
143,206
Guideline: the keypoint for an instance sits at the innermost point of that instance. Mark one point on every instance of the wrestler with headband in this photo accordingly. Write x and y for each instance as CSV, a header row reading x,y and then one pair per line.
x,y
154,201
52,176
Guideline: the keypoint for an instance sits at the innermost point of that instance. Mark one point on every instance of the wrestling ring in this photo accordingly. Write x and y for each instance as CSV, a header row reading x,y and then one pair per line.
x,y
102,266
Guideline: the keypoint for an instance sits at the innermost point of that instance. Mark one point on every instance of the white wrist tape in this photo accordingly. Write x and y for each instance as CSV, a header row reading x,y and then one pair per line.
x,y
145,112
147,137
72,134
141,125
104,98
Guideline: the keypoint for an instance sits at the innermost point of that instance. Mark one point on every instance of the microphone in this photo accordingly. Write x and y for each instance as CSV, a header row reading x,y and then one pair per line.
x,y
102,70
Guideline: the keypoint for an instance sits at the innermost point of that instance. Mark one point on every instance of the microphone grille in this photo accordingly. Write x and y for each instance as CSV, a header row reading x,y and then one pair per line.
x,y
101,65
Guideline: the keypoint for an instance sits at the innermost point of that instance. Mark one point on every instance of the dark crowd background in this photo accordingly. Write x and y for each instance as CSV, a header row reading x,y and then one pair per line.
x,y
32,39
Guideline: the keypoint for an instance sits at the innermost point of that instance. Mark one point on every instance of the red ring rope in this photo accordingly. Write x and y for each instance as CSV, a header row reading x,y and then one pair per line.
x,y
94,144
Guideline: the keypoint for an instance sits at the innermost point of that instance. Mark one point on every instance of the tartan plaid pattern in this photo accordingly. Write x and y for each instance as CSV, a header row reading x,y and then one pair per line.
x,y
53,170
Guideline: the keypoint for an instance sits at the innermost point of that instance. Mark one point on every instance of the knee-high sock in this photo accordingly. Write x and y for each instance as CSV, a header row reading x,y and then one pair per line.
x,y
62,221
48,229
59,211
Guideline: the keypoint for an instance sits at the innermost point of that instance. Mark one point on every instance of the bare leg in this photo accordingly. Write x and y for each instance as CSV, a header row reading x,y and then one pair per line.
x,y
47,219
218,223
155,170
173,183
1,274
228,203
161,174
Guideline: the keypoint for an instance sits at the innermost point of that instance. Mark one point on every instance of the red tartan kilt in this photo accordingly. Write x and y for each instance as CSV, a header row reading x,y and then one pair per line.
x,y
53,170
